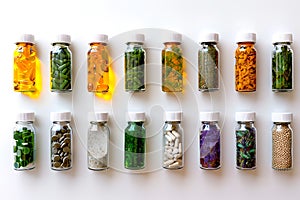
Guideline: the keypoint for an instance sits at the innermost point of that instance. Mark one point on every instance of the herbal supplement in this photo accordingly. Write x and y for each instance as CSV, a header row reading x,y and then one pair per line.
x,y
208,63
135,63
135,141
245,134
282,63
172,65
61,65
209,141
61,141
245,63
282,143
98,141
25,63
24,142
173,141
98,65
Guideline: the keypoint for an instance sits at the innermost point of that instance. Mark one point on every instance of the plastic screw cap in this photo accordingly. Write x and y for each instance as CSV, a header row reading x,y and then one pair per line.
x,y
175,37
209,116
98,116
100,38
245,116
26,116
246,37
63,38
209,37
173,116
136,116
138,38
26,38
60,116
283,37
282,117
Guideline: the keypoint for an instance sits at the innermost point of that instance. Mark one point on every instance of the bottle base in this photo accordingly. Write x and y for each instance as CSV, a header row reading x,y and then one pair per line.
x,y
243,168
282,90
98,169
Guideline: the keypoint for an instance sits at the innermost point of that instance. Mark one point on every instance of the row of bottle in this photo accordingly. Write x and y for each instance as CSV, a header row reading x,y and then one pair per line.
x,y
99,63
135,141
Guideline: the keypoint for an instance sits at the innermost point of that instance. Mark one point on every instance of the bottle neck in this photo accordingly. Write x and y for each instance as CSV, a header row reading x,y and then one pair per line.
x,y
98,123
24,122
61,122
134,44
241,44
139,123
97,44
209,122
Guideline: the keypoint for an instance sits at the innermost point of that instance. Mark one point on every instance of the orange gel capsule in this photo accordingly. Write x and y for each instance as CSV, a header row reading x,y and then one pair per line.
x,y
98,62
25,63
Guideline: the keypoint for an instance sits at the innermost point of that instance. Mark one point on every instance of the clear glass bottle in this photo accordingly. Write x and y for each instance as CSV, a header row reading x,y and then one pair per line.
x,y
173,146
61,141
135,64
208,63
282,63
98,64
24,142
245,63
282,141
25,64
209,141
98,141
135,141
245,133
172,65
61,65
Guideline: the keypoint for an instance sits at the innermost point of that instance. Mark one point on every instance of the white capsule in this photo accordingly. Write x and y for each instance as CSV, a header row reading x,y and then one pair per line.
x,y
168,138
177,156
170,156
168,162
179,148
176,143
171,135
176,134
175,151
174,165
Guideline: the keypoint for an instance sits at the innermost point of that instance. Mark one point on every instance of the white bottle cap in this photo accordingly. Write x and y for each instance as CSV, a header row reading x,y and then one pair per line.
x,y
246,37
209,37
209,116
283,37
138,38
63,38
25,116
100,38
175,37
245,116
98,116
60,116
175,116
136,116
282,117
26,38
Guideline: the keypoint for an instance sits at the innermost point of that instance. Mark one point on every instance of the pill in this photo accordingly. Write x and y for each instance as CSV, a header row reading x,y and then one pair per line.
x,y
171,135
179,148
176,134
176,143
168,138
168,162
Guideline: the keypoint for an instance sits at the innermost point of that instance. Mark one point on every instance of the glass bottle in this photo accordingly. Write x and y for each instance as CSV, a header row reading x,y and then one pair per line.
x,y
209,141
24,142
135,141
25,64
98,141
98,65
245,134
208,63
172,65
61,141
61,65
245,63
135,64
173,148
282,141
282,63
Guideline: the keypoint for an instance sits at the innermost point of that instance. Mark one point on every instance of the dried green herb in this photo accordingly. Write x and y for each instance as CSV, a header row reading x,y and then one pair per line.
x,y
282,68
208,75
246,148
172,68
134,69
135,146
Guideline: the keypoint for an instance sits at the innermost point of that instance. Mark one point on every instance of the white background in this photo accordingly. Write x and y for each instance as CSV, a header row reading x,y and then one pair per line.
x,y
81,19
